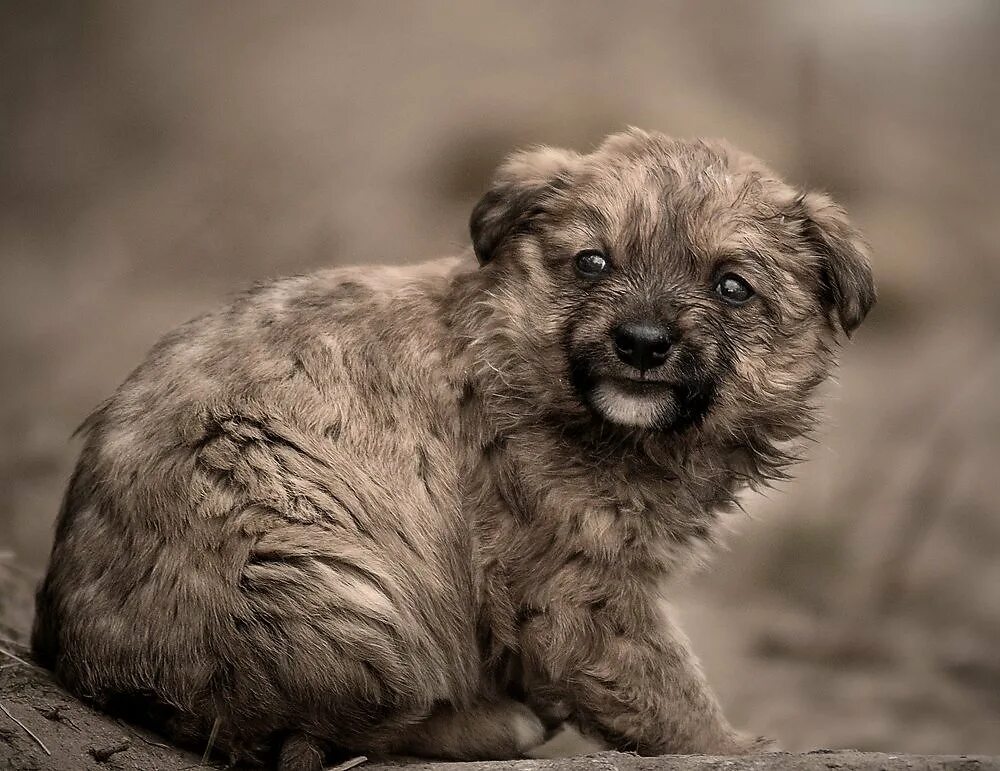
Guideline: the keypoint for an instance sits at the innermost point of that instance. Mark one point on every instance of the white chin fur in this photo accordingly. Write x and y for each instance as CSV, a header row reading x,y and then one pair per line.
x,y
624,408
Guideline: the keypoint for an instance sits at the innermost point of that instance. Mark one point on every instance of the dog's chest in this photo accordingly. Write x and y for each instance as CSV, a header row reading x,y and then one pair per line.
x,y
556,530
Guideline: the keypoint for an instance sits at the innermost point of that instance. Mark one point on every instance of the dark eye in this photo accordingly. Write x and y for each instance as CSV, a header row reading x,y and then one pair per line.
x,y
733,289
592,264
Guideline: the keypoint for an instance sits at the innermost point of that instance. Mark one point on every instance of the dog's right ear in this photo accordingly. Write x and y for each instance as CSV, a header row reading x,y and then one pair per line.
x,y
519,191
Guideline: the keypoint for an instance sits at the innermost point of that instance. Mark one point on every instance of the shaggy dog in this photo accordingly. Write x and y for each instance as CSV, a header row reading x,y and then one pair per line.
x,y
432,509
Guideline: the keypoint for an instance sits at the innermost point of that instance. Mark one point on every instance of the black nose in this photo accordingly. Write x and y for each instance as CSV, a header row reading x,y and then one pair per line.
x,y
642,344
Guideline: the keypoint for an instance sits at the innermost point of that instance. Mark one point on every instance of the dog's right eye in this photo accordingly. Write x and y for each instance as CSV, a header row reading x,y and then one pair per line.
x,y
591,263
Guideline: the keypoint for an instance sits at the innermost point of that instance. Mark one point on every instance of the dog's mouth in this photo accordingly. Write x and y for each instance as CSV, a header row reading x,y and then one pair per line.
x,y
637,388
640,400
640,383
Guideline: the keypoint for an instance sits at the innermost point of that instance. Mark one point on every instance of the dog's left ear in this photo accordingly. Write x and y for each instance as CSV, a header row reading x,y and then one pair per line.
x,y
848,287
519,191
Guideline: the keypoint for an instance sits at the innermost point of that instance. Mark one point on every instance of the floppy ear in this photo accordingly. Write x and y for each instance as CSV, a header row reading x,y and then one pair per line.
x,y
846,275
519,189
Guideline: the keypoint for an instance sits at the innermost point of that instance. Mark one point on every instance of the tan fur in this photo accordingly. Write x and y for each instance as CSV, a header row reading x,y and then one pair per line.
x,y
376,509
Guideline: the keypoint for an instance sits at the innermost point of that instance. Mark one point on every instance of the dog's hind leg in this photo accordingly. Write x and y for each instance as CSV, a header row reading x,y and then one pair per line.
x,y
497,730
301,752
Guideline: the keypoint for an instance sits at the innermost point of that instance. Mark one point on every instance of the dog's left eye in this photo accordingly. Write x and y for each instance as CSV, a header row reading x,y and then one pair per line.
x,y
733,289
592,263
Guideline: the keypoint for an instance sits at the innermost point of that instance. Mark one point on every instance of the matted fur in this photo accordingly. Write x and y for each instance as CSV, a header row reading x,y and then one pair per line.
x,y
385,509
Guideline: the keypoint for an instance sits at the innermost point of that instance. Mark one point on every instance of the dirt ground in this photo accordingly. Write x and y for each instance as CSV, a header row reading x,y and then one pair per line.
x,y
158,157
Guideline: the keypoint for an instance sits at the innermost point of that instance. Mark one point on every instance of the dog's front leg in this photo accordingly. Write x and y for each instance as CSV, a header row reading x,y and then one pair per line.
x,y
628,676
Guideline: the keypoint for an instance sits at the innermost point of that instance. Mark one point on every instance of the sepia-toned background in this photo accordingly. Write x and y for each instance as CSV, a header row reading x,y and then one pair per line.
x,y
156,157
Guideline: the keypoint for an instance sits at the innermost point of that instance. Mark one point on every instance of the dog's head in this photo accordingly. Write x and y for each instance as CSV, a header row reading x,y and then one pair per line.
x,y
663,284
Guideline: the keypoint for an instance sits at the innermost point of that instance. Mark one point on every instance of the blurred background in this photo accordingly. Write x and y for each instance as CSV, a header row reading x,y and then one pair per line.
x,y
156,157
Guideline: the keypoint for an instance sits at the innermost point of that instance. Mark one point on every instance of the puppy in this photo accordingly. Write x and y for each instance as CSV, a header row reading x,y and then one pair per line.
x,y
431,510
